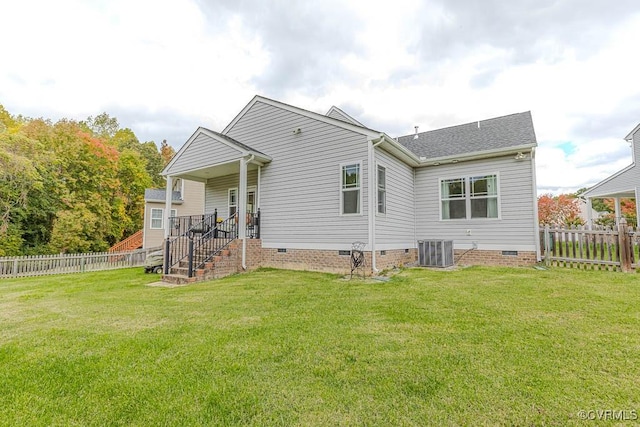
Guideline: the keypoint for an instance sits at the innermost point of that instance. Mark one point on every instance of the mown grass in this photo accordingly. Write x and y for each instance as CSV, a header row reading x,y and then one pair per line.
x,y
476,346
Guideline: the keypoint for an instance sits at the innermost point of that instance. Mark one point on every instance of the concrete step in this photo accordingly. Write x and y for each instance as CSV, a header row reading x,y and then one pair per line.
x,y
178,279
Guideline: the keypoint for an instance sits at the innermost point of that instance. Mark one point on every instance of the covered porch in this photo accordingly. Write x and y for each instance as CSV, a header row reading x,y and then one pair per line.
x,y
212,158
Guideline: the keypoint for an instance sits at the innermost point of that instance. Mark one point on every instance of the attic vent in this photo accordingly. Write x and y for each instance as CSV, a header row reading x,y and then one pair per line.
x,y
435,253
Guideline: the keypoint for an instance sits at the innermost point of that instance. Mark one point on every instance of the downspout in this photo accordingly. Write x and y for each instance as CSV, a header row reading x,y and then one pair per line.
x,y
166,215
243,210
536,227
372,198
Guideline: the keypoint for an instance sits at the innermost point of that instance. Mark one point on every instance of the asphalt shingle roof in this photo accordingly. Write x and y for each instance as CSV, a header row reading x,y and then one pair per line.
x,y
159,194
493,134
234,142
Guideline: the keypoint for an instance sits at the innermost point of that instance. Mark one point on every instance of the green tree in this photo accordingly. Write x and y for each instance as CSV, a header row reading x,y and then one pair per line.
x,y
18,178
102,125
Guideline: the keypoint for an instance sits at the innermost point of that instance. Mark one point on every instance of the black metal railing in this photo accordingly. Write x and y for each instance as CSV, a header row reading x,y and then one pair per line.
x,y
198,238
210,244
180,225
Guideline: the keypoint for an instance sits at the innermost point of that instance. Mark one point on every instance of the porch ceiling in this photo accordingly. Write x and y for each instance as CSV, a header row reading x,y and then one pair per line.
x,y
620,194
214,171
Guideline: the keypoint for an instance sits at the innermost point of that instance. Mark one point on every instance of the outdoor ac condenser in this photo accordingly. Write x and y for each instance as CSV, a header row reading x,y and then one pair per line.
x,y
435,253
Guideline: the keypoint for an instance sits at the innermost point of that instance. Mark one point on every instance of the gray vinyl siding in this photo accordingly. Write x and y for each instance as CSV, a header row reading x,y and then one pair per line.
x,y
335,114
625,180
217,191
204,152
300,187
396,228
515,228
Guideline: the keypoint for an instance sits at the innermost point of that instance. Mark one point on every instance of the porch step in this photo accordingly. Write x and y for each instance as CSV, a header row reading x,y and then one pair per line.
x,y
178,279
218,266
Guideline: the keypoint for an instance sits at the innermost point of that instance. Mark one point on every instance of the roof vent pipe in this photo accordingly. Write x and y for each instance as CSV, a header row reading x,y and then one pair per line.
x,y
416,135
478,124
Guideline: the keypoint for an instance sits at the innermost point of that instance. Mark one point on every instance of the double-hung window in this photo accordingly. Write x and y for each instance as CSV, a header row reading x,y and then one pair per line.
x,y
469,197
157,217
382,189
350,189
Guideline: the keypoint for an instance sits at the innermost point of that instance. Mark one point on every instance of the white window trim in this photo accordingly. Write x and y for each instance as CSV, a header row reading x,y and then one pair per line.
x,y
174,212
386,192
468,197
152,218
342,165
229,197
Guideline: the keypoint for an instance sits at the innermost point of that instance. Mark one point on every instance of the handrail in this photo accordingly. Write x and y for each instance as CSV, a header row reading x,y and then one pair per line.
x,y
204,236
184,228
212,243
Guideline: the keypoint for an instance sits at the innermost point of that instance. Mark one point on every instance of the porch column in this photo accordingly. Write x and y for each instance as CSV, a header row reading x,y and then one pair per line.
x,y
167,207
589,213
617,209
242,200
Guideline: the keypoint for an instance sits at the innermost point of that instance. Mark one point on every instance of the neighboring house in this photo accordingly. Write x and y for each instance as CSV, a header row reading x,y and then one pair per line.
x,y
188,199
622,184
323,182
586,211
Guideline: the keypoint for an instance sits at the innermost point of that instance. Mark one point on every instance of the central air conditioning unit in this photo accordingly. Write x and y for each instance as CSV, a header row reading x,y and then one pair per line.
x,y
435,253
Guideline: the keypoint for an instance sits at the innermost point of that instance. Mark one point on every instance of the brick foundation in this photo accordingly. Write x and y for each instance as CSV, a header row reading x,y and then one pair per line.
x,y
495,258
395,258
331,261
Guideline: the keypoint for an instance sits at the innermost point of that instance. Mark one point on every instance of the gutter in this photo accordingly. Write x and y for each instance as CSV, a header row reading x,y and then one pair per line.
x,y
475,156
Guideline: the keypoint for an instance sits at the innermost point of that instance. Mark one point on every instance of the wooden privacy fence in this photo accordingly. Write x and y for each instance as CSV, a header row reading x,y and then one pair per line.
x,y
40,265
600,248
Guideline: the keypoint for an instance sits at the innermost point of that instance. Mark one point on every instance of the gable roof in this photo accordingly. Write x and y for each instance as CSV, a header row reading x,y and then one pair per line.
x,y
241,149
629,136
337,113
352,125
506,133
389,143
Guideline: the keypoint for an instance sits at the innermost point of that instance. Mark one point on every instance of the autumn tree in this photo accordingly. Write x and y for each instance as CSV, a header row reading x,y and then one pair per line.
x,y
558,210
71,186
167,152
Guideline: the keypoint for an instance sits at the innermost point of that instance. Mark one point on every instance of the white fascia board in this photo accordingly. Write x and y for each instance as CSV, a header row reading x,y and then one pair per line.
x,y
398,150
629,137
306,113
478,155
261,158
180,151
592,189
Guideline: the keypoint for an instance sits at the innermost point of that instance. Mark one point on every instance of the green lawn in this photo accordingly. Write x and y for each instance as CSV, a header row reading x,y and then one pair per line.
x,y
476,346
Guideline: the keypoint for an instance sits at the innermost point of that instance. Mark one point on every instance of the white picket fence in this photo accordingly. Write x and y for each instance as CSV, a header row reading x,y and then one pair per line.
x,y
40,265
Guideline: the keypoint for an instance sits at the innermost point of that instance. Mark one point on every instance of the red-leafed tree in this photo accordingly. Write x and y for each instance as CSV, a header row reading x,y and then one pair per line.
x,y
558,210
627,210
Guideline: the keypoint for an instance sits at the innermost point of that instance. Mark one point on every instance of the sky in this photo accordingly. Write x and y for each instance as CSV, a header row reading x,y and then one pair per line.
x,y
163,68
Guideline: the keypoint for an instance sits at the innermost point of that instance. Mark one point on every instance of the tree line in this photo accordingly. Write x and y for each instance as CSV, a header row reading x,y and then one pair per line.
x,y
565,209
72,186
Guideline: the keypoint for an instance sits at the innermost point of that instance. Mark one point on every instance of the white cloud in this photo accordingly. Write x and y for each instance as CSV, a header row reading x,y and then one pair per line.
x,y
168,66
